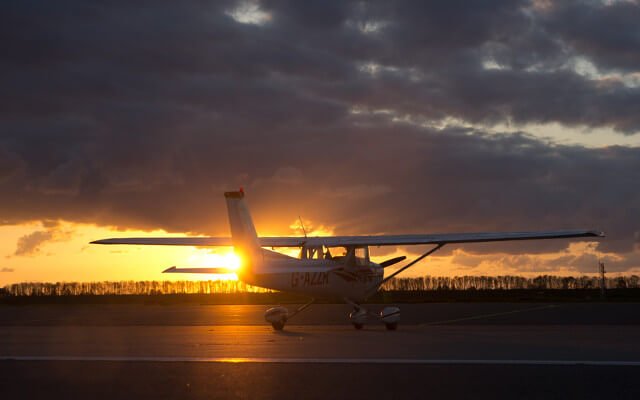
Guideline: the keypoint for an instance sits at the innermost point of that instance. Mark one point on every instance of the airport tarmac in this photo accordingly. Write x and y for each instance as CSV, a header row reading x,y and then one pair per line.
x,y
586,350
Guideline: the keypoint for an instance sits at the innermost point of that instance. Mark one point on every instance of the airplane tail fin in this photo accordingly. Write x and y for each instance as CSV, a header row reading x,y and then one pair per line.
x,y
243,233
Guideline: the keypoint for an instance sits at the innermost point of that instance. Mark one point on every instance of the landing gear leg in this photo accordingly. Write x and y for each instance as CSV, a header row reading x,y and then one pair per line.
x,y
278,326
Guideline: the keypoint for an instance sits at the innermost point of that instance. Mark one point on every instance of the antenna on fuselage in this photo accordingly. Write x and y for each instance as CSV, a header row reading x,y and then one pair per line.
x,y
302,225
304,251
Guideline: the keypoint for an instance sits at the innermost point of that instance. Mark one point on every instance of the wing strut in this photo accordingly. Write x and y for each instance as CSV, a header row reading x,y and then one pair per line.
x,y
411,263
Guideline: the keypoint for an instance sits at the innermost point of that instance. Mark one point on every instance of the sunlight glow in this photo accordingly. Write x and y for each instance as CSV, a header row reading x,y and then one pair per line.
x,y
206,258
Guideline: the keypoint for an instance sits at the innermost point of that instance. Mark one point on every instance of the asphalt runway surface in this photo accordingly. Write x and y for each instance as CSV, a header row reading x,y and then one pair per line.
x,y
453,350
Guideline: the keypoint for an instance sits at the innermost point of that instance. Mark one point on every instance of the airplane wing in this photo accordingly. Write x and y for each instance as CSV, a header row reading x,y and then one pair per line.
x,y
446,238
380,240
201,241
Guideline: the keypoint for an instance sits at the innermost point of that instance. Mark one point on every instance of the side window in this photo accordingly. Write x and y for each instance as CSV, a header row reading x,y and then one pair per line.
x,y
362,256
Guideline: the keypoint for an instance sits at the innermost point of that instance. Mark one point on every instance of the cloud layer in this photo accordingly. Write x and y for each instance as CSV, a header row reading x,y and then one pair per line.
x,y
369,117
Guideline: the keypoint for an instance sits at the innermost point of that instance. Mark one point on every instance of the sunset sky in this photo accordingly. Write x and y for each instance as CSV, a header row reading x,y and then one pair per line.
x,y
363,117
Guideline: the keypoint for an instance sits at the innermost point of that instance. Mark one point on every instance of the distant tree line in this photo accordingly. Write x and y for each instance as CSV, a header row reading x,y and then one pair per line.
x,y
507,282
424,283
129,288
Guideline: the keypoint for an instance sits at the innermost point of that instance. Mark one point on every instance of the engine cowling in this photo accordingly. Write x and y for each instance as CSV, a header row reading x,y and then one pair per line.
x,y
276,315
390,315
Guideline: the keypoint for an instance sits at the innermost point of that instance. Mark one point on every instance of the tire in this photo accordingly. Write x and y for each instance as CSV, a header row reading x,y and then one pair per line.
x,y
358,326
392,327
278,326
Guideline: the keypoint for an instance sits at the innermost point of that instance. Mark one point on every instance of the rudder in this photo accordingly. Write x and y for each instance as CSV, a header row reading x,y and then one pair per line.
x,y
243,232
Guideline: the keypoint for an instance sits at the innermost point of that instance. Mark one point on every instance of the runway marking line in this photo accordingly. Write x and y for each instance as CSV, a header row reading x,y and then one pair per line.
x,y
276,360
482,316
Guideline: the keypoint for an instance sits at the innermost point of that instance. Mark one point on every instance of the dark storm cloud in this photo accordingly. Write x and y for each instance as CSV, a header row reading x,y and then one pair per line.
x,y
608,34
141,115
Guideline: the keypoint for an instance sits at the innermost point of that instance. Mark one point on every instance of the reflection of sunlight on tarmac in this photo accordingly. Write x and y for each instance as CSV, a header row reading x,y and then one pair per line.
x,y
235,360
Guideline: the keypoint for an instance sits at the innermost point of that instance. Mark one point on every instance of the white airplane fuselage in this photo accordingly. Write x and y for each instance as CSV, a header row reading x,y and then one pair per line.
x,y
315,278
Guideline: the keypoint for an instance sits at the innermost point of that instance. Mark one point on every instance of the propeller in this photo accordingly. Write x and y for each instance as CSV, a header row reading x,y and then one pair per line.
x,y
392,261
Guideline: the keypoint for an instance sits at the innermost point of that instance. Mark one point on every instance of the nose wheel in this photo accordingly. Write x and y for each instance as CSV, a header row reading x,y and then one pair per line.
x,y
390,316
358,317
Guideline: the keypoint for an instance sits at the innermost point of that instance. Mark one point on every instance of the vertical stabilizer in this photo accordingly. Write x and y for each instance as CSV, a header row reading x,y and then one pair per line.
x,y
243,233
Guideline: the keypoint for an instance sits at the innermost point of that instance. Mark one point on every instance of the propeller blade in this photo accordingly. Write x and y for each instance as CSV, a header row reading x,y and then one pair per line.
x,y
392,261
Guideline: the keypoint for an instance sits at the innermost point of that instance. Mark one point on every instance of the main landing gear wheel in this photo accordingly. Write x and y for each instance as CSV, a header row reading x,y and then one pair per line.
x,y
358,317
392,326
390,316
278,326
277,317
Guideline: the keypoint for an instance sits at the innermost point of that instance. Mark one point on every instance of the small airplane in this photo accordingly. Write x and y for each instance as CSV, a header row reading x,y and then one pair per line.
x,y
351,276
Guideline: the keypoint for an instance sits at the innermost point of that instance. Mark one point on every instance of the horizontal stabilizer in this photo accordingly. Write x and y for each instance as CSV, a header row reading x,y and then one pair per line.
x,y
169,241
175,270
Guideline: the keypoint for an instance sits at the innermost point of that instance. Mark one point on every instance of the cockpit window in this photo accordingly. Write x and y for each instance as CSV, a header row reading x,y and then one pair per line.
x,y
362,256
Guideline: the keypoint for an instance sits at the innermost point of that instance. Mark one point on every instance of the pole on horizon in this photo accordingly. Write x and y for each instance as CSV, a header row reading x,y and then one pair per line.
x,y
603,281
